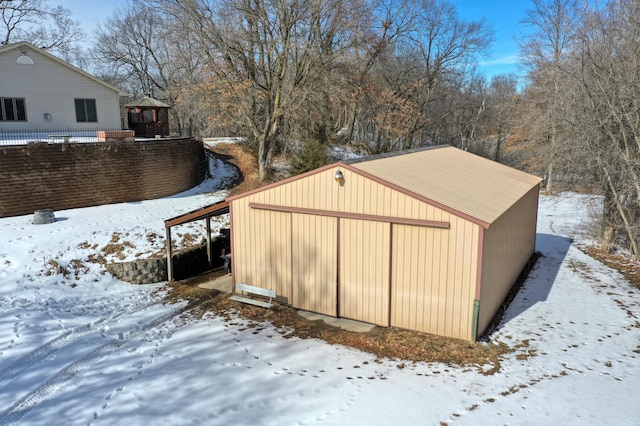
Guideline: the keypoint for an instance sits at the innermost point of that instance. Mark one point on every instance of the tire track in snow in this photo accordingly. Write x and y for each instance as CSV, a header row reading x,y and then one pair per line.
x,y
13,414
29,360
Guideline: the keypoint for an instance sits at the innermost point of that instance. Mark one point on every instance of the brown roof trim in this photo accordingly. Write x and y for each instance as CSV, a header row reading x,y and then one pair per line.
x,y
375,178
232,245
405,191
343,215
337,163
210,210
283,181
480,255
392,154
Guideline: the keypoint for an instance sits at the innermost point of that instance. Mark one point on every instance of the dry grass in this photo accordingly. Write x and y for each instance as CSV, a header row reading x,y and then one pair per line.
x,y
117,248
240,156
389,343
628,268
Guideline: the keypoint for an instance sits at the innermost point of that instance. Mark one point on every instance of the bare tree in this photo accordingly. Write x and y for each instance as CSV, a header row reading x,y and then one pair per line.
x,y
35,21
583,98
148,54
133,39
467,100
503,95
605,111
406,89
260,54
387,73
552,24
447,45
372,35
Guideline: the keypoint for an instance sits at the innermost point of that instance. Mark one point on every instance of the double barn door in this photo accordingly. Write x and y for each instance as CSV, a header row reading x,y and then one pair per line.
x,y
340,267
386,273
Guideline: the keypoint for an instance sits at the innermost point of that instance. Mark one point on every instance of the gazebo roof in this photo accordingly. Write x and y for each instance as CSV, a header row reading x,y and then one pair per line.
x,y
147,102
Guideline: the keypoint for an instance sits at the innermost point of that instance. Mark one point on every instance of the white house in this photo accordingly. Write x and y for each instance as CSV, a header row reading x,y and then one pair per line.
x,y
41,91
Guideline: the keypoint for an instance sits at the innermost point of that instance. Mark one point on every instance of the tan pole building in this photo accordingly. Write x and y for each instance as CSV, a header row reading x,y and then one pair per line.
x,y
429,240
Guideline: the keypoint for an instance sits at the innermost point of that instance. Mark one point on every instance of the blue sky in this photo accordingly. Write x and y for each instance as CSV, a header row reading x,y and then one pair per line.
x,y
504,15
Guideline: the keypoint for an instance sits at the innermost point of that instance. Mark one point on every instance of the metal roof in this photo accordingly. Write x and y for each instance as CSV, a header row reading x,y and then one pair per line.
x,y
467,183
356,160
216,209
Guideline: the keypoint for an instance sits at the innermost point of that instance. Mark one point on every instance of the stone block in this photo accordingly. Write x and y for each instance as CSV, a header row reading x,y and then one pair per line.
x,y
116,136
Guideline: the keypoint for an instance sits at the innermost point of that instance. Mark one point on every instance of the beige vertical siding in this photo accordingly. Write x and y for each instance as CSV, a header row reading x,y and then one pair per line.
x,y
314,263
265,255
508,245
372,247
433,278
357,194
364,270
413,285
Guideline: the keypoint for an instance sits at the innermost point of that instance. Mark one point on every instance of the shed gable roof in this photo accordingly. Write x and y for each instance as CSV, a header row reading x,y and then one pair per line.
x,y
465,182
25,45
457,181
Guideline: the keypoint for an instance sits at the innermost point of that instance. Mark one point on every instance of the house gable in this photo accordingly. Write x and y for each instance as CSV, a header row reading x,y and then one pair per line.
x,y
444,177
50,88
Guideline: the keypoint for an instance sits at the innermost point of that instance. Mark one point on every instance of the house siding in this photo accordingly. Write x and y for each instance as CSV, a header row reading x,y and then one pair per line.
x,y
314,263
50,87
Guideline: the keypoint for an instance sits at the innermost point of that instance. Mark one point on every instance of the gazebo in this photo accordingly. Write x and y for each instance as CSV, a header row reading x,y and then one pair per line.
x,y
148,117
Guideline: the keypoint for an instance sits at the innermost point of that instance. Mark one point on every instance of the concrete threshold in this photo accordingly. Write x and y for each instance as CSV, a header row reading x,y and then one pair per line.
x,y
222,283
344,323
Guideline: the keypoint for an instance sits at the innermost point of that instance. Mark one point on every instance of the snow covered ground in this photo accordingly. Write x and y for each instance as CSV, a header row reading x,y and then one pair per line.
x,y
78,347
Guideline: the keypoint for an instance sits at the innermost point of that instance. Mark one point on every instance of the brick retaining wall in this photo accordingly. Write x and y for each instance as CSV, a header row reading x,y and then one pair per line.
x,y
71,175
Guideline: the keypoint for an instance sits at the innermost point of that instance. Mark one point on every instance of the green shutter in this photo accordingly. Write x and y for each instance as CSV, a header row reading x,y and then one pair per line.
x,y
81,114
21,110
92,114
9,111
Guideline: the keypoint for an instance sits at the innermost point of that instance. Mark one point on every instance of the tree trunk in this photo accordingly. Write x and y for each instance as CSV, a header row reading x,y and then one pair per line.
x,y
351,121
549,187
264,165
633,243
